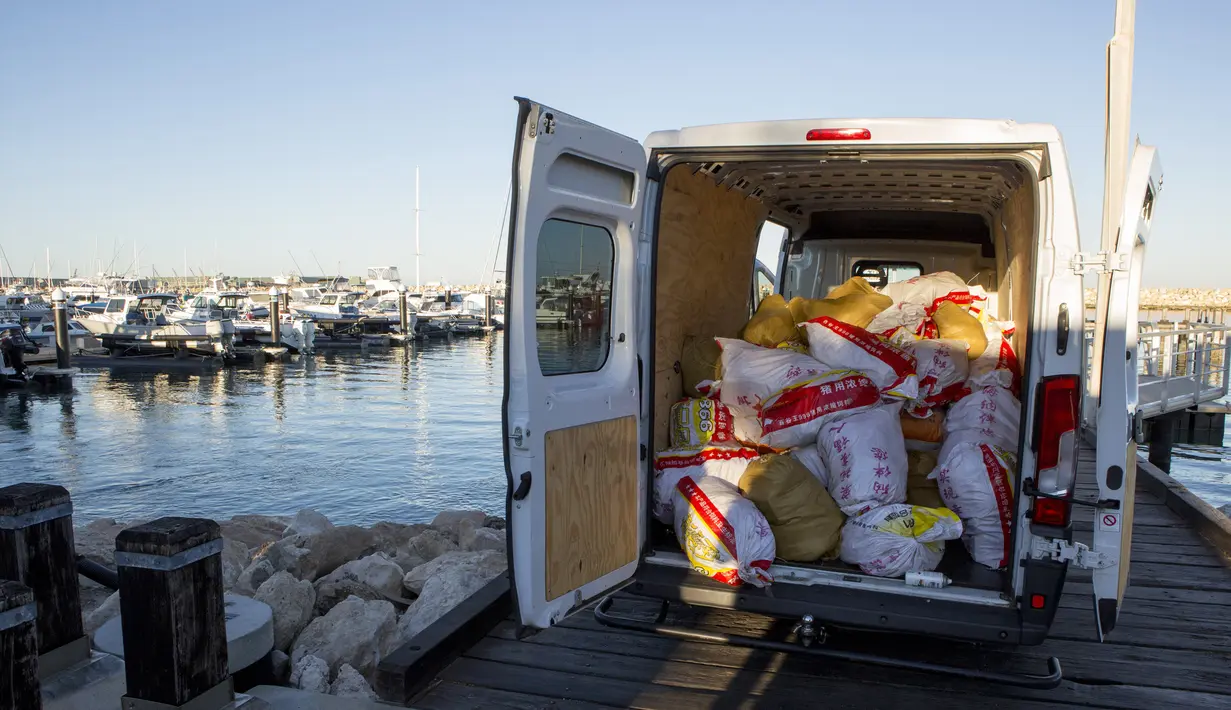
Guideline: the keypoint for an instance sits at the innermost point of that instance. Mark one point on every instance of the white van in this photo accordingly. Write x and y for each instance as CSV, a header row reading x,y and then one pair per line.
x,y
670,226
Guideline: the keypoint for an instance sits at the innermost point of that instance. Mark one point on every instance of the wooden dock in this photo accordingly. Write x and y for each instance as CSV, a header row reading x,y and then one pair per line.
x,y
1170,649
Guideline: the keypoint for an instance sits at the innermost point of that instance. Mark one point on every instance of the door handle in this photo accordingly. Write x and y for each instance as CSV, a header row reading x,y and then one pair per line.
x,y
523,488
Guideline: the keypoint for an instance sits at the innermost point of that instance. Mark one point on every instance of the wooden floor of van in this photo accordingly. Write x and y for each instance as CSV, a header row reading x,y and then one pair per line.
x,y
1171,648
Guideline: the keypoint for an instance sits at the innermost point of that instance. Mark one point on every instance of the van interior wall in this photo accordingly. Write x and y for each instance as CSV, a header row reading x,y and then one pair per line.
x,y
1014,239
707,241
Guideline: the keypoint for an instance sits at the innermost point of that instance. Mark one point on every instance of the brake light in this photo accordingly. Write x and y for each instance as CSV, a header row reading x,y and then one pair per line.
x,y
1057,442
839,134
1051,511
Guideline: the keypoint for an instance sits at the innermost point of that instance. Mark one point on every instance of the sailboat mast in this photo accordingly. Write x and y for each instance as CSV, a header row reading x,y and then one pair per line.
x,y
418,286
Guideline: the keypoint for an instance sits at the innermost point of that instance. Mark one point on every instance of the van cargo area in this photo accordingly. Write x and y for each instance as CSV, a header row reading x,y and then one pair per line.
x,y
890,214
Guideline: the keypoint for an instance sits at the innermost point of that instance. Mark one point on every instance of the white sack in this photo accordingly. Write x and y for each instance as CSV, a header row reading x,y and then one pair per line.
x,y
997,365
975,482
865,455
727,463
991,410
843,346
810,458
942,367
793,417
930,290
911,316
751,373
895,539
723,533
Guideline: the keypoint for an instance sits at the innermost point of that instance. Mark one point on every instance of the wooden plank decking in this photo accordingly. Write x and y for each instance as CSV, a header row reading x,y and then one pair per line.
x,y
1171,649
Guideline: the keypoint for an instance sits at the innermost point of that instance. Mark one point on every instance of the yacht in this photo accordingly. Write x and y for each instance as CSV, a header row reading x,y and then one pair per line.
x,y
138,323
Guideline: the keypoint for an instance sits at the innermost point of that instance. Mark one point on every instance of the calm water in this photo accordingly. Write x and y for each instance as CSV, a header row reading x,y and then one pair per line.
x,y
391,435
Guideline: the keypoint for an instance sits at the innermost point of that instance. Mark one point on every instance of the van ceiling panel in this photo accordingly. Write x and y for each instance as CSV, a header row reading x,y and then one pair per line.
x,y
802,187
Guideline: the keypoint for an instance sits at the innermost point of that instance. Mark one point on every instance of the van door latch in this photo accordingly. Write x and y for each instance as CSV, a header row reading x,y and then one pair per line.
x,y
1075,554
1099,263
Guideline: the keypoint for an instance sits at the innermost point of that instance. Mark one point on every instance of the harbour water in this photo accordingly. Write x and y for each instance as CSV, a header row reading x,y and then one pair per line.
x,y
387,435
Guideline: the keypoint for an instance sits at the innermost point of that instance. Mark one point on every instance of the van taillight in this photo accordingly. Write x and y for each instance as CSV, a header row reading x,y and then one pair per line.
x,y
1057,448
839,134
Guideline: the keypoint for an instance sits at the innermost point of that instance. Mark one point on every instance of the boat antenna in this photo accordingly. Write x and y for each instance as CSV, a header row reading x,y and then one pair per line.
x,y
495,248
296,263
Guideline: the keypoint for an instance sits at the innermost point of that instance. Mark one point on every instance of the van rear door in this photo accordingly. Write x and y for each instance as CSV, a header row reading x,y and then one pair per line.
x,y
1116,451
577,490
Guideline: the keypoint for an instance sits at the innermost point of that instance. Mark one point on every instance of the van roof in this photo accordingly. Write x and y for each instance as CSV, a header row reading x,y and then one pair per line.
x,y
891,131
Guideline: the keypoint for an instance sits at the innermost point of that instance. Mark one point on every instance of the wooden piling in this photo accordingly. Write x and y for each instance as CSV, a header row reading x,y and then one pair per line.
x,y
172,611
36,549
19,683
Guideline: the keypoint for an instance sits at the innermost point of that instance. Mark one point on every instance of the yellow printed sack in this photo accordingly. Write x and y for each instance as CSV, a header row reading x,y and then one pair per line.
x,y
723,533
895,539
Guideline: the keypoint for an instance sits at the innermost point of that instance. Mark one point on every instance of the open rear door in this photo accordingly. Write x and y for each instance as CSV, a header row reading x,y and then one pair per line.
x,y
576,485
1116,457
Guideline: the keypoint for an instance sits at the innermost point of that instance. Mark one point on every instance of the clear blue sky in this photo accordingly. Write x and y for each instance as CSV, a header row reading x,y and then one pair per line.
x,y
263,127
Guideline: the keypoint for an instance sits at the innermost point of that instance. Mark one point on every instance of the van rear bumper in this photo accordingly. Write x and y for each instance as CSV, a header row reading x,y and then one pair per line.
x,y
843,607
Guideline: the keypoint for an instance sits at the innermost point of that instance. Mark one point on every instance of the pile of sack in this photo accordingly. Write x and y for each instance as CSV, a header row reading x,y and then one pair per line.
x,y
866,426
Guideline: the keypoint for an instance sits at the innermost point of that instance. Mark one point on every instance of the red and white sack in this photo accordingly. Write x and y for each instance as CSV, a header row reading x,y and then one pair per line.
x,y
930,290
911,316
865,455
895,539
975,481
979,304
998,364
722,532
810,458
793,417
992,411
843,346
727,463
700,422
751,373
943,368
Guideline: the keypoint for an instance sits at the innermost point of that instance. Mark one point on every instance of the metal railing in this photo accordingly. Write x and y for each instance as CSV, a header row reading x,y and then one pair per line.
x,y
1178,365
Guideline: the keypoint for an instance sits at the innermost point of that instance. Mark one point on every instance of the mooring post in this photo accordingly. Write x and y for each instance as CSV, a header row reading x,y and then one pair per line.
x,y
36,549
1162,436
19,684
404,314
64,344
487,309
172,615
275,316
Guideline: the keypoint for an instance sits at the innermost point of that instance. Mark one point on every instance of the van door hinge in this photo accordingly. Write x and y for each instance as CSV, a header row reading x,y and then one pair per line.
x,y
1099,263
1074,553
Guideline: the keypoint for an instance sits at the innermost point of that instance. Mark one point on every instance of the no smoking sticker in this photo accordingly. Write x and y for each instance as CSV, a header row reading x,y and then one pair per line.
x,y
1109,521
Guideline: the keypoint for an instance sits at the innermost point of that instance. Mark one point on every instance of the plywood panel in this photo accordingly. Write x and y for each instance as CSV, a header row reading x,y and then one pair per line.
x,y
591,473
707,242
1017,280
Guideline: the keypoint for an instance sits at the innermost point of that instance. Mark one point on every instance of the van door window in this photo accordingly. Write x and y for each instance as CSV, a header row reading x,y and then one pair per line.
x,y
573,293
881,273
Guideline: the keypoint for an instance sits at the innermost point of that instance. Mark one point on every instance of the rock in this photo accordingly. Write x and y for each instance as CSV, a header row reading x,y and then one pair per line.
x,y
494,521
450,521
447,587
390,537
255,531
307,522
313,556
292,602
104,613
355,632
479,539
280,665
97,540
253,576
1226,510
310,673
330,593
92,595
408,560
376,571
487,564
430,544
234,561
350,684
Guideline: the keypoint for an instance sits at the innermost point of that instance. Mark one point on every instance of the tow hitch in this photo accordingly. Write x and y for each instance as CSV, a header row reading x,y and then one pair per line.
x,y
802,628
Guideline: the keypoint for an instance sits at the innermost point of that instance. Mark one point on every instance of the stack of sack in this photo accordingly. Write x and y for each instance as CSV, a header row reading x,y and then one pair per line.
x,y
872,427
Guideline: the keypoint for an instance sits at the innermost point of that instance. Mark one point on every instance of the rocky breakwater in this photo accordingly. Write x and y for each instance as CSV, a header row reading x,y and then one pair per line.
x,y
342,596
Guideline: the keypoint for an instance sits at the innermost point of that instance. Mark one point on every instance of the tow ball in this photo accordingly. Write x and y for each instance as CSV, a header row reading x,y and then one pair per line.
x,y
807,632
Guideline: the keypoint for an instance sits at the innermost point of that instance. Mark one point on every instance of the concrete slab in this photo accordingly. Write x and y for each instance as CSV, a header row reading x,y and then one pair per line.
x,y
280,698
95,683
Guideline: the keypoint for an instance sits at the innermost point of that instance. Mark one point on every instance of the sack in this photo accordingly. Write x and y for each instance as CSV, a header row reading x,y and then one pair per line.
x,y
921,490
996,366
842,346
793,416
930,290
750,374
929,428
810,458
857,286
727,463
853,306
723,533
700,422
700,365
771,324
952,323
866,459
911,316
975,483
992,411
805,519
895,539
943,368
978,304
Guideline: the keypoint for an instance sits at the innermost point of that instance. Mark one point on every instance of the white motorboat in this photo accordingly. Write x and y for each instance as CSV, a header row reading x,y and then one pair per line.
x,y
334,305
19,307
139,323
44,334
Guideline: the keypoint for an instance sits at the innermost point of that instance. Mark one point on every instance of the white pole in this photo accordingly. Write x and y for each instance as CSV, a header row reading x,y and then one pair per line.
x,y
1118,107
418,287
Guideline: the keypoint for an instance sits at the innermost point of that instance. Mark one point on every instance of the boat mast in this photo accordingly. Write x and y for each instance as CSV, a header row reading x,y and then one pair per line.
x,y
418,286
